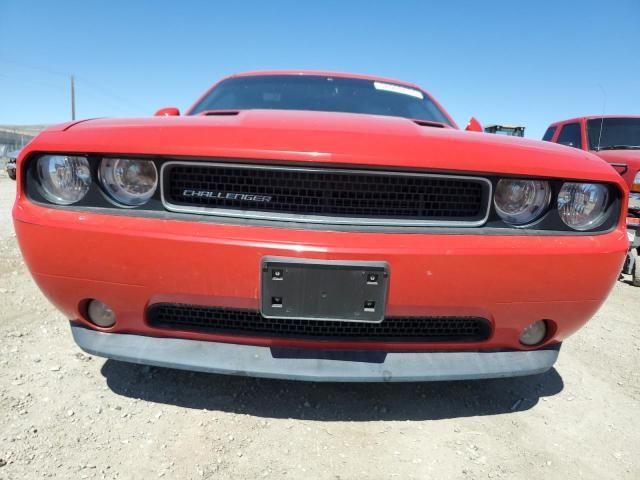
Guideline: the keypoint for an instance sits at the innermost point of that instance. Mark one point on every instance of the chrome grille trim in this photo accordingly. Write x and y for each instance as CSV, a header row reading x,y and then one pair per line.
x,y
320,219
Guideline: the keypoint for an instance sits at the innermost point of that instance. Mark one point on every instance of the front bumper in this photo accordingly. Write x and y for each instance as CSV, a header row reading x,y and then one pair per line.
x,y
255,361
130,263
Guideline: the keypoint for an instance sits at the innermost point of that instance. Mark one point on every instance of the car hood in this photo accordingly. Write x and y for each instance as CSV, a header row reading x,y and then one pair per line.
x,y
323,138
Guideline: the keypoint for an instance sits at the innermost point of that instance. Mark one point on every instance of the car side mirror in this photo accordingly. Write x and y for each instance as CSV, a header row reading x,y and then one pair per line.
x,y
167,112
474,125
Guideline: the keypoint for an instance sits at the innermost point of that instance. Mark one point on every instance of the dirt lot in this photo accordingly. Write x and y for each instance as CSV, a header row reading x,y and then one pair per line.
x,y
65,414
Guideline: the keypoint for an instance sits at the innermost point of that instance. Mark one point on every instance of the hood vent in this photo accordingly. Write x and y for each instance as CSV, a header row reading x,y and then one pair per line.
x,y
220,113
427,123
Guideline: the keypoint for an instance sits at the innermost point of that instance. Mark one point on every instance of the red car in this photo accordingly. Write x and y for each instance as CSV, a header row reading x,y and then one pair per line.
x,y
318,226
615,139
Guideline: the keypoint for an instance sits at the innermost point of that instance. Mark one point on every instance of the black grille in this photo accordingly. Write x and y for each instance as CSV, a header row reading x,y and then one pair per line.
x,y
333,193
250,322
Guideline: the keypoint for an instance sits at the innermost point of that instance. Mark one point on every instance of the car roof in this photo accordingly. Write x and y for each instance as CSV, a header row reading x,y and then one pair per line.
x,y
592,117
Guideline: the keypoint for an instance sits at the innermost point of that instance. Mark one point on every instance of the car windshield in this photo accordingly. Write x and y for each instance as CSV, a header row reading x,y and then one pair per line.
x,y
617,133
321,93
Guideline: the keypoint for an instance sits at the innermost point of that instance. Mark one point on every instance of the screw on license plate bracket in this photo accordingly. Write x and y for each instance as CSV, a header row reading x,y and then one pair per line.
x,y
331,290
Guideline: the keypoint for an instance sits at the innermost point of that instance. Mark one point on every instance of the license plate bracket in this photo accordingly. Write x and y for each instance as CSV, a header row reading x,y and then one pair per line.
x,y
351,291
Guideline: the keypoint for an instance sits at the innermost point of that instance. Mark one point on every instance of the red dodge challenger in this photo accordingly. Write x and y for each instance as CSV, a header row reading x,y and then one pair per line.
x,y
318,226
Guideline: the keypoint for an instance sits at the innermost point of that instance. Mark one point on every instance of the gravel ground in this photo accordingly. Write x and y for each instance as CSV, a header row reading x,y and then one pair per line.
x,y
66,414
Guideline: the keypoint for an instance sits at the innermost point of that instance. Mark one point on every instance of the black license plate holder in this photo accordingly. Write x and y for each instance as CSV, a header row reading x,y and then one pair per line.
x,y
350,291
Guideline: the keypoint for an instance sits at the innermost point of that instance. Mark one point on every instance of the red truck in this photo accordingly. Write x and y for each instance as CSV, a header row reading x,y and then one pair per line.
x,y
318,226
614,138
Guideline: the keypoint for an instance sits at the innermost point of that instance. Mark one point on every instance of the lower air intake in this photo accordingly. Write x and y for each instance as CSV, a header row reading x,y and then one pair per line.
x,y
231,321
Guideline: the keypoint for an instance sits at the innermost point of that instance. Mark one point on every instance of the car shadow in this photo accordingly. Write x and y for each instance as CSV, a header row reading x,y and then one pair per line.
x,y
329,401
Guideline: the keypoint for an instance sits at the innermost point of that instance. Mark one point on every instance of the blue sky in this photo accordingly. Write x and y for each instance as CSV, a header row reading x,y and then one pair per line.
x,y
527,62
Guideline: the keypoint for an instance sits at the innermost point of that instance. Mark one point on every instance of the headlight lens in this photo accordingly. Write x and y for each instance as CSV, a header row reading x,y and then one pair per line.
x,y
582,205
520,201
128,181
63,179
635,186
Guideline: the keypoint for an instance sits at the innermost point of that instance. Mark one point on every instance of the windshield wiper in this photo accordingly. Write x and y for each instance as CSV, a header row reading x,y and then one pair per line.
x,y
618,147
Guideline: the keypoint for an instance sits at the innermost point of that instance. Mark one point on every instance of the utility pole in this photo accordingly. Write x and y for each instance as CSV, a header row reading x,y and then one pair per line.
x,y
73,100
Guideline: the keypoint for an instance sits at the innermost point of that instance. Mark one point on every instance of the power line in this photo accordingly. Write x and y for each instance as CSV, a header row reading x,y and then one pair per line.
x,y
83,80
34,82
108,93
34,67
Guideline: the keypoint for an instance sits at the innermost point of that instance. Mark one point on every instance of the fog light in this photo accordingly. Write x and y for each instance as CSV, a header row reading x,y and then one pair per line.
x,y
534,333
101,314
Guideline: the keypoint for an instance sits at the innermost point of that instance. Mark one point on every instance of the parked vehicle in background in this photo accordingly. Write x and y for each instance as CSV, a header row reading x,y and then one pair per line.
x,y
614,138
508,130
632,262
318,226
11,164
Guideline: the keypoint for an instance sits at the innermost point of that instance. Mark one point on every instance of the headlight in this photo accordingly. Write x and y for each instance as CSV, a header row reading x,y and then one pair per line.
x,y
582,205
63,179
635,186
128,181
520,201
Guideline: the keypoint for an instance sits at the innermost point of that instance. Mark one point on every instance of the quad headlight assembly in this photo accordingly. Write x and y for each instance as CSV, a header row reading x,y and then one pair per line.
x,y
67,179
531,204
581,206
